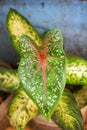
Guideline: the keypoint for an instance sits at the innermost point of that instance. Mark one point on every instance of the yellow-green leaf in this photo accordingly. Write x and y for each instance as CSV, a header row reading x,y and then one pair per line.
x,y
67,114
21,110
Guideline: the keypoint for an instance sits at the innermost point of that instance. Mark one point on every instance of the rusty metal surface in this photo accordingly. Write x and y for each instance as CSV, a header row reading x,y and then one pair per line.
x,y
70,16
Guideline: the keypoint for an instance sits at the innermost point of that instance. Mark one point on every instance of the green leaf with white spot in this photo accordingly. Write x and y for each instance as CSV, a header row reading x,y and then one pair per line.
x,y
67,114
42,70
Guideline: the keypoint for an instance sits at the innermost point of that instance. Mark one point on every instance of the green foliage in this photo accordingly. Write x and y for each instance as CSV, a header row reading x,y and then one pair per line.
x,y
67,114
18,25
42,73
9,81
42,70
21,110
81,96
76,71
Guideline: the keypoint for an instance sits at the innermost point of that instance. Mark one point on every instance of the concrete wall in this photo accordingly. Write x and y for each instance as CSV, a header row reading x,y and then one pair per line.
x,y
70,16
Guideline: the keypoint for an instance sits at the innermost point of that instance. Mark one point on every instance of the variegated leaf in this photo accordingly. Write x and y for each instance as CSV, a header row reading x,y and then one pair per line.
x,y
42,70
18,25
21,110
67,114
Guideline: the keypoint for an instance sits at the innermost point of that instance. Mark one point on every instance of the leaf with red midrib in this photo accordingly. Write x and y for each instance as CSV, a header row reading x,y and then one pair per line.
x,y
42,70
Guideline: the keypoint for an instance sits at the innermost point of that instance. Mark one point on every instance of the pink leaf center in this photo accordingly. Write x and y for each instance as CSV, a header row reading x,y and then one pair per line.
x,y
42,57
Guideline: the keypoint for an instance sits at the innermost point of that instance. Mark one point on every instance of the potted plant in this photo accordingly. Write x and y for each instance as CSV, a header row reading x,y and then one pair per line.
x,y
43,71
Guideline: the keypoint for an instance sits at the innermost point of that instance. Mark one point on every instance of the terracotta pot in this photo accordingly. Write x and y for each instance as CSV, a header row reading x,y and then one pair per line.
x,y
3,113
39,123
84,113
3,64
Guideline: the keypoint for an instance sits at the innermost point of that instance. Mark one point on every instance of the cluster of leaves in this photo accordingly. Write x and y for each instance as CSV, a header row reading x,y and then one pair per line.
x,y
42,74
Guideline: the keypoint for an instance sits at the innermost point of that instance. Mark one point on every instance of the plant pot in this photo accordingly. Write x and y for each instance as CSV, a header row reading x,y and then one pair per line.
x,y
39,123
84,114
4,123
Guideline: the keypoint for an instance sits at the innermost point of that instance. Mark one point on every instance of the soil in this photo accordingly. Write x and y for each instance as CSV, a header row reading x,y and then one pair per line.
x,y
84,114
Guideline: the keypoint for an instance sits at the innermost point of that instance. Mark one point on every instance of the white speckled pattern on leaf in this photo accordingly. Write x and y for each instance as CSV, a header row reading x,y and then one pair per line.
x,y
42,70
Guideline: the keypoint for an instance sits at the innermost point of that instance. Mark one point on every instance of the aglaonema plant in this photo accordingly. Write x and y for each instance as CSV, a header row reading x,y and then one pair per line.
x,y
42,77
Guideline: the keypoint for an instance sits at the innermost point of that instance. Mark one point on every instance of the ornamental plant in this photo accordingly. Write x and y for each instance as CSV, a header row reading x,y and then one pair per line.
x,y
40,78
